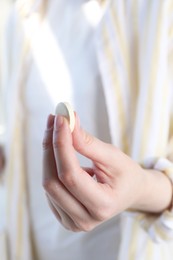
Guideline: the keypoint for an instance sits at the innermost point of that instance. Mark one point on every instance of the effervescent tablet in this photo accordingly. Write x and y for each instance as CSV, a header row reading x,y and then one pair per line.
x,y
65,109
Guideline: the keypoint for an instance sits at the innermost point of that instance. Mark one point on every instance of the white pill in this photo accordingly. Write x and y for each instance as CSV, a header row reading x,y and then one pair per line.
x,y
65,109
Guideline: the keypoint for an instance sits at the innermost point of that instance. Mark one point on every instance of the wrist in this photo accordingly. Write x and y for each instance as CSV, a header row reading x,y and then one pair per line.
x,y
155,192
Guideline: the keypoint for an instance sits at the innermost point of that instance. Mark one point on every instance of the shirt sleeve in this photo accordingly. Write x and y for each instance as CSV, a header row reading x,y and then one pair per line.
x,y
159,227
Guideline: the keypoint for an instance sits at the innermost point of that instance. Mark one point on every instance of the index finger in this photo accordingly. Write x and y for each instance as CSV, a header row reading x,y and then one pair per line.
x,y
76,180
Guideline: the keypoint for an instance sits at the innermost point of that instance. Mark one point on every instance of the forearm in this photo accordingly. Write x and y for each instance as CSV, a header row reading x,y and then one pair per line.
x,y
155,193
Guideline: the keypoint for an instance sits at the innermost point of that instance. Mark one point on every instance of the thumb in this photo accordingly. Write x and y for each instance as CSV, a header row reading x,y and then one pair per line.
x,y
89,146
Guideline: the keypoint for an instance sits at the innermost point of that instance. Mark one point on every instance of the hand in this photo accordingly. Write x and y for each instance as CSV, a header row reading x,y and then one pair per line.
x,y
79,201
2,159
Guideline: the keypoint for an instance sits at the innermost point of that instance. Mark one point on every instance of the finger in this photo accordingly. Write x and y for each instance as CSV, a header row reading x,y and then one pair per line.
x,y
54,187
62,198
54,210
63,149
62,217
49,165
80,222
91,147
78,182
102,154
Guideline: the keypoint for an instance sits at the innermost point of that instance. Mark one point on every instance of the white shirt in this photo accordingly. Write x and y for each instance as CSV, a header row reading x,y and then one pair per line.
x,y
74,37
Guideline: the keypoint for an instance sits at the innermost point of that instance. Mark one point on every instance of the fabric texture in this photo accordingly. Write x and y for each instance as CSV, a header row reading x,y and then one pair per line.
x,y
138,86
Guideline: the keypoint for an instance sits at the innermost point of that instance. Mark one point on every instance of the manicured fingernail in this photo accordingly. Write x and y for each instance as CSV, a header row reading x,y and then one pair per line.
x,y
50,121
58,122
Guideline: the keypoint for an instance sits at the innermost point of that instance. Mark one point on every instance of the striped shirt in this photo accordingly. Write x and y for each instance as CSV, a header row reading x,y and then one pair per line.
x,y
134,41
135,53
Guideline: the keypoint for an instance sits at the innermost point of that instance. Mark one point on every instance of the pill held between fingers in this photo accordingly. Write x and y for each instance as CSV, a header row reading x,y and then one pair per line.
x,y
65,109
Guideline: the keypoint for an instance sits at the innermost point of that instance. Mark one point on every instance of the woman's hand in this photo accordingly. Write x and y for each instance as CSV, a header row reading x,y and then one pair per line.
x,y
82,198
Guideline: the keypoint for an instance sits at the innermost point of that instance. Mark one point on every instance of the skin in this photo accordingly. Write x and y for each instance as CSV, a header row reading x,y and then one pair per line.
x,y
81,202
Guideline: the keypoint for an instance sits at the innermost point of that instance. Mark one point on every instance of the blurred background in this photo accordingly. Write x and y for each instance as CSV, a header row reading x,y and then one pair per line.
x,y
5,6
4,9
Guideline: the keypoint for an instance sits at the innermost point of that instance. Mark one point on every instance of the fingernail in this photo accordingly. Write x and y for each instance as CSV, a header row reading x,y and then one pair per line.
x,y
50,121
58,122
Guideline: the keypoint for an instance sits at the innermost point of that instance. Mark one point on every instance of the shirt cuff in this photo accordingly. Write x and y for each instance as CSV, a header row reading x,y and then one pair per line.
x,y
159,227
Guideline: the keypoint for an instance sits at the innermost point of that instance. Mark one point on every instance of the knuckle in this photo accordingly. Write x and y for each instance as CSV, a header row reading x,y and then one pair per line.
x,y
58,142
85,226
49,186
46,144
47,140
102,214
88,139
72,228
75,229
68,179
